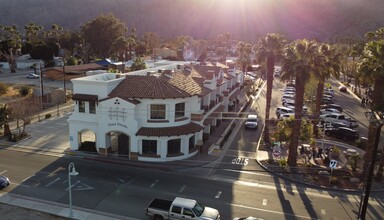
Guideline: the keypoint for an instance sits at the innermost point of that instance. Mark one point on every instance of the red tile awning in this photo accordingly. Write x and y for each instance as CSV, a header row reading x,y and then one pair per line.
x,y
169,131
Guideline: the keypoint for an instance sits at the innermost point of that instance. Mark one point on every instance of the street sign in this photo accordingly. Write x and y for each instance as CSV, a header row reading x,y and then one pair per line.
x,y
332,164
276,153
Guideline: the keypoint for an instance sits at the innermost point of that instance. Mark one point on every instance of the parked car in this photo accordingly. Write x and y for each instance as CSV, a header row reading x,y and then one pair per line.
x,y
180,208
334,106
326,101
285,97
32,76
288,105
286,116
342,88
4,182
290,88
328,110
251,121
283,110
332,125
330,91
290,93
327,96
342,133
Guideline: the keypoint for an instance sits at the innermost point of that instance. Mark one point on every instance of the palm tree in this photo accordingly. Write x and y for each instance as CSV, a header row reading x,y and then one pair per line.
x,y
326,64
298,62
372,66
270,48
244,50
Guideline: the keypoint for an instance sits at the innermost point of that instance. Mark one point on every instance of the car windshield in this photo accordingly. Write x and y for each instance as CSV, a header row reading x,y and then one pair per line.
x,y
252,120
198,209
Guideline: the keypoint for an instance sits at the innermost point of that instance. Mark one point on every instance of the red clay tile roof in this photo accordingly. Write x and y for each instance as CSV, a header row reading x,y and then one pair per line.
x,y
170,131
180,85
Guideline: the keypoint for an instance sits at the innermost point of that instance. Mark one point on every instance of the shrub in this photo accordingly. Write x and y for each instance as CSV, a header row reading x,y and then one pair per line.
x,y
335,149
3,89
48,115
24,91
283,163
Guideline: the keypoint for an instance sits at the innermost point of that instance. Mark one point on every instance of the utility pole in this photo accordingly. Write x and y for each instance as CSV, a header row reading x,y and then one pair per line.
x,y
375,124
41,87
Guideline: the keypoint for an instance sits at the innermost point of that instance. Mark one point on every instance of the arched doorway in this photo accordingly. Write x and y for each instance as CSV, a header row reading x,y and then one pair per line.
x,y
119,143
87,140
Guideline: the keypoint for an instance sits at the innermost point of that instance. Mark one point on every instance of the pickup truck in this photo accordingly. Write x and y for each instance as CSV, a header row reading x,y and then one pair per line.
x,y
180,208
335,117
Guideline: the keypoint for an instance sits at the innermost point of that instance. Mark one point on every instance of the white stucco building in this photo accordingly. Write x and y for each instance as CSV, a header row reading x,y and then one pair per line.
x,y
159,115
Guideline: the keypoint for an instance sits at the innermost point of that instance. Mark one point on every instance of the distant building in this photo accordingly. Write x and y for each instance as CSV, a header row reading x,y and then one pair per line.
x,y
158,114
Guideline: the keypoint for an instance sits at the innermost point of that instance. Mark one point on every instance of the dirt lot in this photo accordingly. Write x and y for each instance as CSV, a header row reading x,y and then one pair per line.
x,y
19,213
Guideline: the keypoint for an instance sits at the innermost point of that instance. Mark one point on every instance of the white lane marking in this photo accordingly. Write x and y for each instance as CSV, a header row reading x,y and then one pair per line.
x,y
182,188
264,202
218,194
28,178
247,172
270,211
3,171
52,182
154,183
73,185
130,181
121,180
323,212
83,186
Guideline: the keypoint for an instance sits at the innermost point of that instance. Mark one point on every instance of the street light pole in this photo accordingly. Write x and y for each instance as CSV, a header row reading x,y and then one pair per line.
x,y
71,173
375,124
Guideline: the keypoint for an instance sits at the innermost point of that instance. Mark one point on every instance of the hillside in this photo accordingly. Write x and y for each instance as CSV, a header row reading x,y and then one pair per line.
x,y
244,19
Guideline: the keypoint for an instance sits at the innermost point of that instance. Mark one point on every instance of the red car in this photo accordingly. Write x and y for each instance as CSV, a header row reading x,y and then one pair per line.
x,y
342,88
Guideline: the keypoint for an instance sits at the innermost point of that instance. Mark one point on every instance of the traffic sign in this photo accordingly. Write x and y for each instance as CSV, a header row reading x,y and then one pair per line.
x,y
276,153
332,164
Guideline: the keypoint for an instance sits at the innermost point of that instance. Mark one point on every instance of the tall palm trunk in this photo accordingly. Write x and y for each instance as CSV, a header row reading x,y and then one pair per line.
x,y
299,101
377,94
270,67
319,97
379,173
373,135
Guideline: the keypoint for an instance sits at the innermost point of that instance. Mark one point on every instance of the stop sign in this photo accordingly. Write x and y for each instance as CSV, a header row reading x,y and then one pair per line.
x,y
276,153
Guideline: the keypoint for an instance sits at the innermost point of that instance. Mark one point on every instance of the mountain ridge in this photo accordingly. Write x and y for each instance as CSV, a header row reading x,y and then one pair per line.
x,y
324,20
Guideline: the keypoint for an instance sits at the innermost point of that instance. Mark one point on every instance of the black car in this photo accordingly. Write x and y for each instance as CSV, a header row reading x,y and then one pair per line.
x,y
334,106
342,133
4,182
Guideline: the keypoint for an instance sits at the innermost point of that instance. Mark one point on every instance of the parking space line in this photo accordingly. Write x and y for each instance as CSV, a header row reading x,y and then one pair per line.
x,y
3,171
73,185
154,183
52,182
182,188
218,194
28,178
130,181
